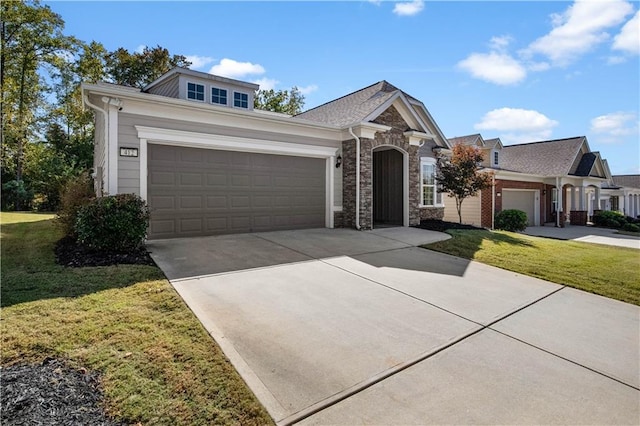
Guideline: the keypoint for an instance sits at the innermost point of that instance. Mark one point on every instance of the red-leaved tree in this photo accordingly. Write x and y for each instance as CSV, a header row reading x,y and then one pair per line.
x,y
460,175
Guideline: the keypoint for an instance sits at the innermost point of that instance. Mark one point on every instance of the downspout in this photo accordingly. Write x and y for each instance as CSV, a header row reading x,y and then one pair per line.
x,y
106,132
559,201
357,177
493,202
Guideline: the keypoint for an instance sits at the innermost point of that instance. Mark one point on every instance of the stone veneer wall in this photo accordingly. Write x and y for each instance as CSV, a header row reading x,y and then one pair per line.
x,y
432,213
394,137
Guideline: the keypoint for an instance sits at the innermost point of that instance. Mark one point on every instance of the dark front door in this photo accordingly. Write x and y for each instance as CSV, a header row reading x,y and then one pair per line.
x,y
387,188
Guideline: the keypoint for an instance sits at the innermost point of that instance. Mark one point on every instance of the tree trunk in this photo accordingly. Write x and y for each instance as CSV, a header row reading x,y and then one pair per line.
x,y
459,207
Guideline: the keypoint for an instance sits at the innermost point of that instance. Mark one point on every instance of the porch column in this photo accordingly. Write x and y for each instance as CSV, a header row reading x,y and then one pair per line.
x,y
621,203
573,198
559,192
637,205
597,203
581,195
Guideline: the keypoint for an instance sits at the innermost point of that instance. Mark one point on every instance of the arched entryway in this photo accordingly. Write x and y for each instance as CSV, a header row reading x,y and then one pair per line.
x,y
388,187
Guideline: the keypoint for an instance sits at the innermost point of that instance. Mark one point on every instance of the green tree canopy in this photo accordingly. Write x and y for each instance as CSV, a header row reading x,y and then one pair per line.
x,y
284,101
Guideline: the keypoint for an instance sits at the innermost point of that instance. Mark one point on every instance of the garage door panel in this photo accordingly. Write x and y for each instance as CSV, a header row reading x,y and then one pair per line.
x,y
520,200
230,192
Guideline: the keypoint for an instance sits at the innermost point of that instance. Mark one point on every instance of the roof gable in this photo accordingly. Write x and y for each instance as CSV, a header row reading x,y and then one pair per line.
x,y
367,104
631,181
546,158
474,140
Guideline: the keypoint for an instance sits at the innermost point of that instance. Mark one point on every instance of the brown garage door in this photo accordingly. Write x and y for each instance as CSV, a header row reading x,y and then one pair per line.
x,y
194,192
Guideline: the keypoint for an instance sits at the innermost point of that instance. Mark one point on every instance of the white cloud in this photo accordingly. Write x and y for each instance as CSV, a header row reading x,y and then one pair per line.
x,y
409,8
517,125
495,67
376,2
140,48
234,69
305,90
266,83
615,125
628,39
500,43
579,29
198,62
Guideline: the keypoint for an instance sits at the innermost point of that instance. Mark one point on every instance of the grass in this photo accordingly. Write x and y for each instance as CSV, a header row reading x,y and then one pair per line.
x,y
605,270
158,364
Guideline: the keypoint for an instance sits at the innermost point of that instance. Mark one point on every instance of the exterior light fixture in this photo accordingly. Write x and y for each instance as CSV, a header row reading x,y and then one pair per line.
x,y
338,161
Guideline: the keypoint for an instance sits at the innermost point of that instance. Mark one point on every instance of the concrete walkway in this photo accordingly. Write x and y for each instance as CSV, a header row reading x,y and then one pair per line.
x,y
587,234
346,327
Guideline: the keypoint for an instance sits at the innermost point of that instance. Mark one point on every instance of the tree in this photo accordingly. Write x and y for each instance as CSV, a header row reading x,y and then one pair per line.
x,y
284,101
31,42
460,175
141,68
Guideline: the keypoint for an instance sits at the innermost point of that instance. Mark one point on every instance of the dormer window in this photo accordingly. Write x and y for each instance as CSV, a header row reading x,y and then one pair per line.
x,y
495,158
240,100
195,91
218,96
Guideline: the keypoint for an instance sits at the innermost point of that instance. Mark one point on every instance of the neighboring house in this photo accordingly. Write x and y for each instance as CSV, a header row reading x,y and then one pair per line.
x,y
553,181
207,163
622,194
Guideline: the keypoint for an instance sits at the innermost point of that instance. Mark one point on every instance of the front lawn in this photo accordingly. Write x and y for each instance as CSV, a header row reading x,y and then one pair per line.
x,y
158,364
605,270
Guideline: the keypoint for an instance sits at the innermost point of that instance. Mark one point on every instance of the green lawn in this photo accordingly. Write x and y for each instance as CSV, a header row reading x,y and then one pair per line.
x,y
605,270
158,364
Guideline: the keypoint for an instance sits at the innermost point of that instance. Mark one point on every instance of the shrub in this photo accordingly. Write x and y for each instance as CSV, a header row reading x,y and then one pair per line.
x,y
609,219
76,193
16,196
631,227
511,220
113,223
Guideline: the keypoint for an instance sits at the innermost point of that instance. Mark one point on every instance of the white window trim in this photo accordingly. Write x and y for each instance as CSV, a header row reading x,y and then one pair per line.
x,y
241,93
219,88
204,91
430,161
493,158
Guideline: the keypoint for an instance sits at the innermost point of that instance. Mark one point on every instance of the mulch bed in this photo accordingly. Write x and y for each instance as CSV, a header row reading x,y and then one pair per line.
x,y
51,394
442,226
70,253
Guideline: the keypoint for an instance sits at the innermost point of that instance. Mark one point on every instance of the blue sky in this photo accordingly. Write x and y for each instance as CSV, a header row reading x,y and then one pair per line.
x,y
521,71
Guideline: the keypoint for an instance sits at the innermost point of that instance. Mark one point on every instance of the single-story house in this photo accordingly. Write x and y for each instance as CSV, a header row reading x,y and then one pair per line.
x,y
192,145
622,194
553,181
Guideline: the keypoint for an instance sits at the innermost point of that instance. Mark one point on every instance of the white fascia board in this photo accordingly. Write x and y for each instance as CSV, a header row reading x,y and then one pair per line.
x,y
403,107
231,143
147,104
515,176
365,130
416,137
432,121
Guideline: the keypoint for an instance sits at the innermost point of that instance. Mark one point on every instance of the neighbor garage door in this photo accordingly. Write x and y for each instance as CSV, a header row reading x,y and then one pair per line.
x,y
520,200
194,192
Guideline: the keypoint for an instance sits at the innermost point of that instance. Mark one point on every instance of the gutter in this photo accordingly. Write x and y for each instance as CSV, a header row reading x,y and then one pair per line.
x,y
357,177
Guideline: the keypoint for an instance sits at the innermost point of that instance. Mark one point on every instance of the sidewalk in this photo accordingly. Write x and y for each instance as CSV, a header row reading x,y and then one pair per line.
x,y
587,234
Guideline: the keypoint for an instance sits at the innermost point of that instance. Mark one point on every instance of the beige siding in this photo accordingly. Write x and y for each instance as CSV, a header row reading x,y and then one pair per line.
x,y
471,210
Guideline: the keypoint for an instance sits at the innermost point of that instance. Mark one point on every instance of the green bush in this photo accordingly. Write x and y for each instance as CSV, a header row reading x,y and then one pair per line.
x,y
609,219
631,227
511,220
76,193
113,223
16,196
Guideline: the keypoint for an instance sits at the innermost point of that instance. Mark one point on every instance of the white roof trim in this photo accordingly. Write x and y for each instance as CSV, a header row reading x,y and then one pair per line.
x,y
231,143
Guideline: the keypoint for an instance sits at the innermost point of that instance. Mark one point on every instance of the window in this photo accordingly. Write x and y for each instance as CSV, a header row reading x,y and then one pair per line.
x,y
195,91
495,158
554,200
429,190
218,96
240,100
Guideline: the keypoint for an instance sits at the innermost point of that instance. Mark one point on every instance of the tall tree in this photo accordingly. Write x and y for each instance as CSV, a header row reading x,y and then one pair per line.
x,y
284,101
460,175
141,68
31,40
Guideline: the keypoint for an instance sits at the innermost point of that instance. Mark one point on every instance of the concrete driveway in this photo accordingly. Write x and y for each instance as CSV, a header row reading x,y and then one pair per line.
x,y
346,327
586,234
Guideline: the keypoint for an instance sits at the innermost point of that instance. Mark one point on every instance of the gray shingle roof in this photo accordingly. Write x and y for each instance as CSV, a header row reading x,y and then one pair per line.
x,y
354,107
631,181
546,158
491,143
465,140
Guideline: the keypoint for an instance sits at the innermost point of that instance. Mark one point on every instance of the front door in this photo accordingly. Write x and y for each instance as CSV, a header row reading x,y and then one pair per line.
x,y
387,188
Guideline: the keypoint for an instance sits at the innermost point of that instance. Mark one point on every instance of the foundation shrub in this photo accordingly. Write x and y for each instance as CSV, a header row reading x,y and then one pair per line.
x,y
511,220
609,219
